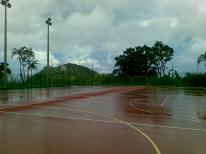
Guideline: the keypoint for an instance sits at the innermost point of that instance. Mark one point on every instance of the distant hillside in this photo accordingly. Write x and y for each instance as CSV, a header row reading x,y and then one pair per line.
x,y
68,74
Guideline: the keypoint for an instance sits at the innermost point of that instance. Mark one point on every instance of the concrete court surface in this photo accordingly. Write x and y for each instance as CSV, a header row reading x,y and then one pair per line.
x,y
126,120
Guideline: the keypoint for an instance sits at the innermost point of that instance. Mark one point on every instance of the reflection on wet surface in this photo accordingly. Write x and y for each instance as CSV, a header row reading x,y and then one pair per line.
x,y
18,97
169,103
185,103
174,119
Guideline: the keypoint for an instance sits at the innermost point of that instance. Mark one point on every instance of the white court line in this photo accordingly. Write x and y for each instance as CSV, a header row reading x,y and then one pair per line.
x,y
170,127
163,102
181,117
154,113
179,107
67,109
176,108
130,103
86,99
61,117
106,121
147,104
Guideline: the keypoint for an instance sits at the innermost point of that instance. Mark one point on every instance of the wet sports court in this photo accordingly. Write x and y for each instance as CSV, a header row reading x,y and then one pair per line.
x,y
124,120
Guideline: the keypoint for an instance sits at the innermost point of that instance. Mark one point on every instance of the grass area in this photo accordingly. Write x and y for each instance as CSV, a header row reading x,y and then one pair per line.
x,y
106,80
76,75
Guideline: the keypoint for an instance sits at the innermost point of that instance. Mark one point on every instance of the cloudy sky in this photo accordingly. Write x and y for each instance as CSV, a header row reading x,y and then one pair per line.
x,y
90,32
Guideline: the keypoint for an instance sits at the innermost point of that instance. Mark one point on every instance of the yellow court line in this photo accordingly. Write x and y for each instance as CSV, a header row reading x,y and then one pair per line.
x,y
133,127
140,124
167,117
121,121
147,111
133,106
144,134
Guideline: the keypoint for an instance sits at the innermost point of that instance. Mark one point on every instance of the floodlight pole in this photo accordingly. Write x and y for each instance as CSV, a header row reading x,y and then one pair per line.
x,y
197,67
48,71
5,49
49,23
92,74
6,4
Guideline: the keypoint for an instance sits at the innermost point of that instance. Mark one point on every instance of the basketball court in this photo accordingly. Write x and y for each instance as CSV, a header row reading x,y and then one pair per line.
x,y
133,120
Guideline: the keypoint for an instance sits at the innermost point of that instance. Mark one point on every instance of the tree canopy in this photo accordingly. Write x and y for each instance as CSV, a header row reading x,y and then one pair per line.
x,y
144,60
202,58
162,54
2,70
27,61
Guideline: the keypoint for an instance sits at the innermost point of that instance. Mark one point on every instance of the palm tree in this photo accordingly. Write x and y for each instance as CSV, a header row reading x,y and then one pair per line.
x,y
202,58
19,54
30,58
33,66
25,56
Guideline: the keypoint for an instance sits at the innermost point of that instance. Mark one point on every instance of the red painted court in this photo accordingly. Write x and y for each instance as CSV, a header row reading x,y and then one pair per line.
x,y
124,120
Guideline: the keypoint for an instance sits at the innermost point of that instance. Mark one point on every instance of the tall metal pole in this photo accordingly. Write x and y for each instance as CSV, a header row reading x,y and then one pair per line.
x,y
48,22
48,71
5,49
92,74
6,4
197,67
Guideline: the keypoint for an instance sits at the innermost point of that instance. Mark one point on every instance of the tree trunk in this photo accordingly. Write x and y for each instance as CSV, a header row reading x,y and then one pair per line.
x,y
31,77
21,75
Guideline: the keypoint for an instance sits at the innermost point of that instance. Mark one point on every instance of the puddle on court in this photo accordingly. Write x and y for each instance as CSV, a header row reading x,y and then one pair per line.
x,y
22,96
185,103
181,103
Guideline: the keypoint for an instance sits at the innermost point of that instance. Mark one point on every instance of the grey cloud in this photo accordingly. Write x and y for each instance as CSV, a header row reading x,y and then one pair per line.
x,y
95,31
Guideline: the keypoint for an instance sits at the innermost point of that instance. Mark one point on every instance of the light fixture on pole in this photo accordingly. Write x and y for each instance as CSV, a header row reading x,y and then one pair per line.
x,y
49,23
6,4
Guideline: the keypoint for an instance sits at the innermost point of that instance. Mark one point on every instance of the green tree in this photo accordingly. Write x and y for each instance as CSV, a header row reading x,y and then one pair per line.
x,y
162,55
2,70
135,62
20,53
173,73
30,62
25,57
144,60
202,58
32,66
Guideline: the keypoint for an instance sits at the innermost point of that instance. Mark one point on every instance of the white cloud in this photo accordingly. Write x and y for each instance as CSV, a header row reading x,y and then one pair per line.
x,y
41,56
82,27
201,7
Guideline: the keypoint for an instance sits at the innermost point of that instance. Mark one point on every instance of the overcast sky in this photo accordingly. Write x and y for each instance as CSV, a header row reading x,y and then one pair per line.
x,y
96,31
